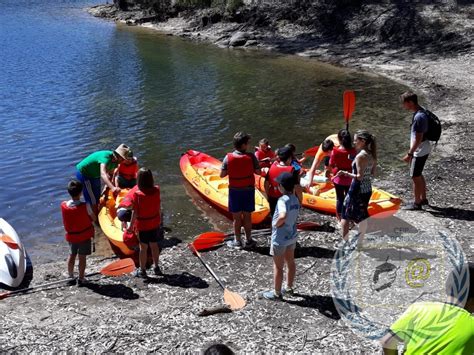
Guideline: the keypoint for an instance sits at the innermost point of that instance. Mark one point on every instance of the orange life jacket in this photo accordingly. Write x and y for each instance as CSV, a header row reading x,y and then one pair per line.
x,y
240,169
275,170
129,171
77,223
147,209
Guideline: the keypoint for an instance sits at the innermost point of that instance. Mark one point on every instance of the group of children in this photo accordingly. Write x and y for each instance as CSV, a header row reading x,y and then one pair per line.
x,y
139,209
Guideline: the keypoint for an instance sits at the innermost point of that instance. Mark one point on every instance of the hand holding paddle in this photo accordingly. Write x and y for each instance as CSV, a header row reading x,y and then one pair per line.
x,y
232,299
116,268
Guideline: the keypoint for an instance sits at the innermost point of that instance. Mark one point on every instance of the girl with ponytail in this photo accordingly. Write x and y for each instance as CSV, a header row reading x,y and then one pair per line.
x,y
356,203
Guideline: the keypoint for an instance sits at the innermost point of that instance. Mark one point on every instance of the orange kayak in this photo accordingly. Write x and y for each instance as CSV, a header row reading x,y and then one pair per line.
x,y
322,198
202,172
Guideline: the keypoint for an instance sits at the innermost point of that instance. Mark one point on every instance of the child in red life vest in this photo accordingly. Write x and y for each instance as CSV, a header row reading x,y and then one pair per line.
x,y
264,153
126,172
145,201
77,220
241,166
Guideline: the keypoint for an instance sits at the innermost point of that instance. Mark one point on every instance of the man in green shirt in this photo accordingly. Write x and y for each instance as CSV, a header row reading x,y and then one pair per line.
x,y
435,327
96,167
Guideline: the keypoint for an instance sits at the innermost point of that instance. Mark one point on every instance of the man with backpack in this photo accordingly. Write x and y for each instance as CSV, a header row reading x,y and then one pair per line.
x,y
425,127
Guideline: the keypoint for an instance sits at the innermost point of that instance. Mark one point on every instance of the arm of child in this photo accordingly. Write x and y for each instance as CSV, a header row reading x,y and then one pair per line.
x,y
224,168
281,206
105,178
91,213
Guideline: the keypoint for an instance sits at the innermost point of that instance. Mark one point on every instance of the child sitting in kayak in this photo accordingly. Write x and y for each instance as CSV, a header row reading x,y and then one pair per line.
x,y
295,162
284,235
77,220
126,172
264,153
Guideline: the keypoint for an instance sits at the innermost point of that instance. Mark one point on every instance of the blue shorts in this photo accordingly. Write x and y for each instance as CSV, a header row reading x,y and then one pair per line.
x,y
241,200
91,188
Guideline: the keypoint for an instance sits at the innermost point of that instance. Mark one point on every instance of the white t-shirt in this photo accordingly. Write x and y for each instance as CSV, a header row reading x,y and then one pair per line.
x,y
287,233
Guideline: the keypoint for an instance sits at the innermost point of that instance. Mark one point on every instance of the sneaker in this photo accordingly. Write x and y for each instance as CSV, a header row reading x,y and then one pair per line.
x,y
72,281
140,273
424,202
250,244
157,271
272,296
82,282
289,291
412,207
235,244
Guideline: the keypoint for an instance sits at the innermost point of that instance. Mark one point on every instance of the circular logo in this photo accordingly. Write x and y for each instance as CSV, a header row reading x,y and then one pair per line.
x,y
378,275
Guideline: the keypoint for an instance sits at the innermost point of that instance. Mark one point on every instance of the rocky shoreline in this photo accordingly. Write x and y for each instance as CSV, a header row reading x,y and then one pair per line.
x,y
162,314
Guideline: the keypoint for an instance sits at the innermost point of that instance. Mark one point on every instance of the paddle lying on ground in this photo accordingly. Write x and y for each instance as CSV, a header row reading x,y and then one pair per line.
x,y
116,268
9,241
348,102
232,299
211,240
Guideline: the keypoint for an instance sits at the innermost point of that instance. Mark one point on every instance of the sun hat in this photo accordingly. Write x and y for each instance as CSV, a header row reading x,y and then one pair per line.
x,y
124,151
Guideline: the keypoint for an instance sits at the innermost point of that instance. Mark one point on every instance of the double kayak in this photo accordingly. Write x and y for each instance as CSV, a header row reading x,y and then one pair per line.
x,y
202,172
13,258
112,227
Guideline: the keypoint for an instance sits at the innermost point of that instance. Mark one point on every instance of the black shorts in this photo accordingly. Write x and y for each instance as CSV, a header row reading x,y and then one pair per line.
x,y
417,165
151,236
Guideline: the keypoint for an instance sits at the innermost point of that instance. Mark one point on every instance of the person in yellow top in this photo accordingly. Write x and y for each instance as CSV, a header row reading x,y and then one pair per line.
x,y
435,327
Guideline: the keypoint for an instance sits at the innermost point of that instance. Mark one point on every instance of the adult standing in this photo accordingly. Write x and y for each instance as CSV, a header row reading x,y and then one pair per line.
x,y
356,203
241,166
420,148
96,167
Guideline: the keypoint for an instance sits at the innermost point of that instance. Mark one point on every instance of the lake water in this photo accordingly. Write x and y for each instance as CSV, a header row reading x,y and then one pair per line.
x,y
71,84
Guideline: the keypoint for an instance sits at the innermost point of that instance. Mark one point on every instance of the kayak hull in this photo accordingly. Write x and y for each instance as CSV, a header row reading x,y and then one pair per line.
x,y
13,258
202,172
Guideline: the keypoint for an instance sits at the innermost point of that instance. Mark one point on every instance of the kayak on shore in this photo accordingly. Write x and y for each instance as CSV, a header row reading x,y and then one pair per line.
x,y
202,172
13,258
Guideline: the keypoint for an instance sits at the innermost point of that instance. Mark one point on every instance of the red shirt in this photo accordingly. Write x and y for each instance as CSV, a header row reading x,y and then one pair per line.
x,y
341,159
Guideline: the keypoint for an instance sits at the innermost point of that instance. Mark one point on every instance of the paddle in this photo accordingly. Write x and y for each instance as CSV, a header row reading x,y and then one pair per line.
x,y
232,299
348,101
9,241
211,240
311,152
116,268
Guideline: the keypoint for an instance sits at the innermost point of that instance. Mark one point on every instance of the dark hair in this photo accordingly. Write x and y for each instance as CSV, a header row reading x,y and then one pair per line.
x,y
292,147
74,188
284,154
240,138
409,96
450,282
218,349
263,141
345,138
145,179
370,143
327,145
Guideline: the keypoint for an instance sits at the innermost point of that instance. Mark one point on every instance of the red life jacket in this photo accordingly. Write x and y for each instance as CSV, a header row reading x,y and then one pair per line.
x,y
262,154
275,170
127,201
77,223
340,159
129,171
147,209
240,169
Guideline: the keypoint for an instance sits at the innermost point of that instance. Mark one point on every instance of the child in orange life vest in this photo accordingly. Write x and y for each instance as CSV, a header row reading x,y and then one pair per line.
x,y
146,219
126,172
77,219
264,154
241,166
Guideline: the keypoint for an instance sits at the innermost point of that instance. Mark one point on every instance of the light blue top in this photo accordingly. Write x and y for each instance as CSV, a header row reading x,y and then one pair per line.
x,y
287,233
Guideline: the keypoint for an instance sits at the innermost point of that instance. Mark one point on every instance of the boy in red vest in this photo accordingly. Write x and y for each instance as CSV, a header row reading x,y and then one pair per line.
x,y
241,166
77,220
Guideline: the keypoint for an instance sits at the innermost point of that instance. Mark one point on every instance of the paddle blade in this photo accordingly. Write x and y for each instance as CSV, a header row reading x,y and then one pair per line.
x,y
308,226
208,240
311,152
234,300
119,268
349,104
9,241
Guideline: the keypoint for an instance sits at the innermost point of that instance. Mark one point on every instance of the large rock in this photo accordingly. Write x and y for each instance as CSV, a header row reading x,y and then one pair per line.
x,y
239,39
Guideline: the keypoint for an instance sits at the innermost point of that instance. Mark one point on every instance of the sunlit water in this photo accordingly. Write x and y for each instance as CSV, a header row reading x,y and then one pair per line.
x,y
71,84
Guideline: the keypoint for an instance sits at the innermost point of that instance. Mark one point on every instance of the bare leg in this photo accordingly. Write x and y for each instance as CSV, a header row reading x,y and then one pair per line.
x,y
237,225
418,187
155,253
345,228
362,231
82,266
423,188
247,223
143,255
71,260
290,263
278,262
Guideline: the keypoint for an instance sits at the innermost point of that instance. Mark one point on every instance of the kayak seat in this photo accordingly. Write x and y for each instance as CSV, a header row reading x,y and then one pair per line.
x,y
215,178
222,186
208,172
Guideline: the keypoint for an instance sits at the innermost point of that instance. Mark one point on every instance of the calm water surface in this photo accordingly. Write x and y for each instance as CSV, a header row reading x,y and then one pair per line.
x,y
71,84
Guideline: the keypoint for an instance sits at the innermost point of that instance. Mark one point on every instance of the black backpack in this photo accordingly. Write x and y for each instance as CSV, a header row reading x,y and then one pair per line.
x,y
434,127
